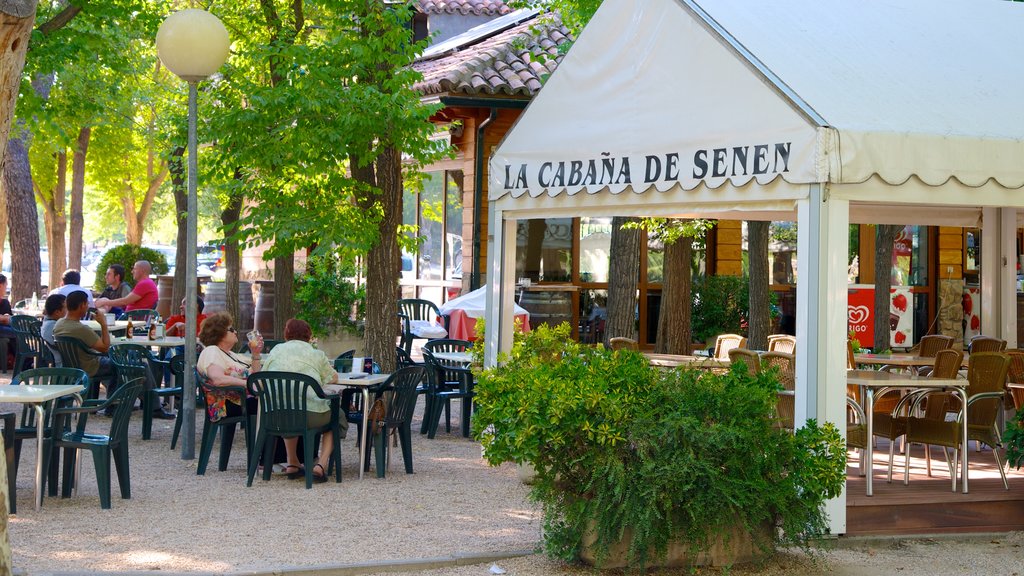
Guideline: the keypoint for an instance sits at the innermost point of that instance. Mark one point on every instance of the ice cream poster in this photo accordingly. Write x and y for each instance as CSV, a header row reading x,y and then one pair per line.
x,y
860,316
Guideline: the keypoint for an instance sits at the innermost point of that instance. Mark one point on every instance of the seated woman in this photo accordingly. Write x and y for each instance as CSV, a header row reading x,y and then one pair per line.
x,y
219,366
296,354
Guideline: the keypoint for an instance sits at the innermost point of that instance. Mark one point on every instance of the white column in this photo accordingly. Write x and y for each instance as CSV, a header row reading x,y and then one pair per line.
x,y
821,319
1008,275
501,257
991,273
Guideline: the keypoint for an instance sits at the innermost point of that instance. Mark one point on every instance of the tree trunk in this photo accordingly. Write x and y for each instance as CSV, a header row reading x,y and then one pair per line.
x,y
284,292
23,221
56,222
77,196
623,278
176,168
885,236
675,335
16,20
759,322
232,260
383,264
132,226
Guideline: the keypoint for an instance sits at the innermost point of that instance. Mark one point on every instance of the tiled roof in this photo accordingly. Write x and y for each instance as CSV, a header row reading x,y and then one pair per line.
x,y
475,7
511,63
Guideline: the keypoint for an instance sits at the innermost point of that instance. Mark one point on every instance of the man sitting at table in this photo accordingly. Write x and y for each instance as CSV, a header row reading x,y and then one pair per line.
x,y
71,282
116,287
176,323
143,297
53,310
70,326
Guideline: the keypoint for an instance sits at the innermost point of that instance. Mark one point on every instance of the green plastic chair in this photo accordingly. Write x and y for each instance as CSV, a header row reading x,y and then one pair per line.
x,y
343,361
226,425
67,349
283,413
416,309
400,394
177,368
446,381
136,361
103,447
27,430
29,342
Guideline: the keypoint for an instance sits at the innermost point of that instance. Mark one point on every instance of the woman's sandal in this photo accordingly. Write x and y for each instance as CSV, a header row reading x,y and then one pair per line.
x,y
319,478
294,472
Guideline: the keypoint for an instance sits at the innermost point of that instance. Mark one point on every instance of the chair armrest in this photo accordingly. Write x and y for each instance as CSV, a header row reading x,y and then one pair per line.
x,y
857,410
232,388
984,396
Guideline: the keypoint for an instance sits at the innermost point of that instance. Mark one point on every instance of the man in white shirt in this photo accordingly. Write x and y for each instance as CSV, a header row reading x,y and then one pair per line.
x,y
70,283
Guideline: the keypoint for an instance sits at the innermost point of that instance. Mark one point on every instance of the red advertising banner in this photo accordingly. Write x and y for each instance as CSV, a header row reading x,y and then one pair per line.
x,y
860,316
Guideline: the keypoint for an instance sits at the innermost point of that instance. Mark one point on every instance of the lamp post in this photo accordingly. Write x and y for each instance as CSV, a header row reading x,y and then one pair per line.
x,y
193,44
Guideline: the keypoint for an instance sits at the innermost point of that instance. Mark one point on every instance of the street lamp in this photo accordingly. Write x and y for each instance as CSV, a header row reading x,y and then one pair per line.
x,y
193,44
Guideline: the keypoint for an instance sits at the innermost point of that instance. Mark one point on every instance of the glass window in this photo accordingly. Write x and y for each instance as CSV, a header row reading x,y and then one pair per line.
x,y
595,247
853,255
656,260
910,257
544,249
972,254
453,225
431,218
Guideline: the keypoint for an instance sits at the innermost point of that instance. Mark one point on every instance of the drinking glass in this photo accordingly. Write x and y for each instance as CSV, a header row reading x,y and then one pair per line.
x,y
253,336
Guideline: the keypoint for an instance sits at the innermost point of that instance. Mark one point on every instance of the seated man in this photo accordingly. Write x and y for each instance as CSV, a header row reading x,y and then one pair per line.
x,y
143,297
176,323
97,367
5,311
116,288
71,282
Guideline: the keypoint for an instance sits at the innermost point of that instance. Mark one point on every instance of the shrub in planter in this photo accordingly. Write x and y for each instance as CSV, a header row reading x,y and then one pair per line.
x,y
127,255
625,449
327,296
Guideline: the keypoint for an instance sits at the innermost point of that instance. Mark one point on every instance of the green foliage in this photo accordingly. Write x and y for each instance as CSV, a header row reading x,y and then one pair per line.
x,y
619,444
127,255
326,295
1013,439
721,305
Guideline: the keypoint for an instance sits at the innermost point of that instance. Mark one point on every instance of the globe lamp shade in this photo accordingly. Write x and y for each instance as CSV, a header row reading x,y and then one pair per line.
x,y
193,44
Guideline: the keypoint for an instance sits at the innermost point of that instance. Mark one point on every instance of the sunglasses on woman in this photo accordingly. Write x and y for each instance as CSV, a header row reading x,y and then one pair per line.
x,y
231,330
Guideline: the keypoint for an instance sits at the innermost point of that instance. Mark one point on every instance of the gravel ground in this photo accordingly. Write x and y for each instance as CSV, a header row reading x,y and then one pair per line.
x,y
454,504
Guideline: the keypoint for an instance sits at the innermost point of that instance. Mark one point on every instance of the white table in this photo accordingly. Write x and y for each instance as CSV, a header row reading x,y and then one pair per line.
x,y
674,360
904,360
36,396
364,384
165,342
873,381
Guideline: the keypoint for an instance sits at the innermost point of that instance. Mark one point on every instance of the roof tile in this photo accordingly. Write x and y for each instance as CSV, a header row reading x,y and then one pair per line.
x,y
475,7
511,63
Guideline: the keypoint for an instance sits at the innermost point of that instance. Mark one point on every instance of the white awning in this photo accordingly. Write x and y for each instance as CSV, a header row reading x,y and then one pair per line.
x,y
680,94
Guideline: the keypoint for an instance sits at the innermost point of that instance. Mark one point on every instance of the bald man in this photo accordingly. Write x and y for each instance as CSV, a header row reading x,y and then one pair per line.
x,y
143,297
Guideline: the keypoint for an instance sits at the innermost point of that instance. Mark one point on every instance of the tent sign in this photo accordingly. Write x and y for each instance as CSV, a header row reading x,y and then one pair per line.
x,y
728,162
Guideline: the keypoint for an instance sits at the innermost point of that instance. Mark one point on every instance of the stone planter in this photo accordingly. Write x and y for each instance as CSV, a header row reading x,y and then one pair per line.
x,y
734,547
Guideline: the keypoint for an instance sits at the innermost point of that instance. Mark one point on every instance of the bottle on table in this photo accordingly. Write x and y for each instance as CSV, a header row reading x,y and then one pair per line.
x,y
128,333
35,301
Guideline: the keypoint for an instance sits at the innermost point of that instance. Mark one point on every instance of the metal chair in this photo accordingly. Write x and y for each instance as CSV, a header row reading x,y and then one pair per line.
x,y
986,372
986,344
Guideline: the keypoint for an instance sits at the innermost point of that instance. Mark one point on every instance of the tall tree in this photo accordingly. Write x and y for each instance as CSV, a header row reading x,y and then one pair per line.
x,y
885,236
759,322
623,279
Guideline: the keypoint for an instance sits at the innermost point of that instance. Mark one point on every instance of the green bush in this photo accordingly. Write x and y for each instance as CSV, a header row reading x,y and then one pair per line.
x,y
618,444
127,255
721,305
326,295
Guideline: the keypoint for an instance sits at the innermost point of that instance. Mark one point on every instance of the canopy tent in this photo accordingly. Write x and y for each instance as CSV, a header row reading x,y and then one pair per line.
x,y
822,111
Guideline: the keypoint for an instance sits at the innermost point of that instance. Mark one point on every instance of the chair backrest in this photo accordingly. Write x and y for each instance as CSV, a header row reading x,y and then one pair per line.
x,y
70,350
931,344
343,361
947,363
30,340
986,372
623,343
1016,376
282,397
402,395
786,365
419,309
130,361
782,343
47,377
143,314
726,342
447,345
446,372
986,344
746,357
402,358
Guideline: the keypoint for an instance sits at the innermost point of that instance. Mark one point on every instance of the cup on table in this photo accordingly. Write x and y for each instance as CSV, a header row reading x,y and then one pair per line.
x,y
110,318
357,365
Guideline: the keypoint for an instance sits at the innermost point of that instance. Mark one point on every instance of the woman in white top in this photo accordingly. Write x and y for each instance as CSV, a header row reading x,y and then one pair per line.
x,y
219,366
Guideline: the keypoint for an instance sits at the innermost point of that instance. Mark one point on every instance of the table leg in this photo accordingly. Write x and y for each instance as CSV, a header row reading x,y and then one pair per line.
x,y
963,436
869,450
39,455
366,427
